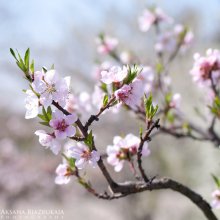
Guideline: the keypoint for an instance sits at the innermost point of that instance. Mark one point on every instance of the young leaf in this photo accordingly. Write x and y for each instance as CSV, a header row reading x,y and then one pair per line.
x,y
216,180
42,117
105,100
89,140
104,88
150,109
32,66
44,123
26,58
13,54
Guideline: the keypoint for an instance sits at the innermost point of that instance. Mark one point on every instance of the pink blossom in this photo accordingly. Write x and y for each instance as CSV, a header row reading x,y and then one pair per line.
x,y
31,105
170,40
50,87
97,97
106,45
216,199
175,101
80,103
114,74
151,17
130,94
188,38
49,141
63,172
125,57
105,66
179,30
147,76
63,124
123,149
206,67
165,42
84,155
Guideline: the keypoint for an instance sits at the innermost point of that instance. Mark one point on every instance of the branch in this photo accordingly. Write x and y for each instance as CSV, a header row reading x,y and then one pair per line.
x,y
140,148
166,183
96,117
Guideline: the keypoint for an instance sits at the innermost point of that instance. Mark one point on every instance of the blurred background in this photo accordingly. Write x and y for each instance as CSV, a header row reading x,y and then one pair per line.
x,y
63,33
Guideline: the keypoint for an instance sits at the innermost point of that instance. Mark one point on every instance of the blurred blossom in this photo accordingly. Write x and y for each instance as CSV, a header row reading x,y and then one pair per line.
x,y
106,44
105,66
97,97
147,76
216,199
206,67
168,41
7,148
175,101
31,105
80,104
114,74
152,17
125,57
187,41
63,174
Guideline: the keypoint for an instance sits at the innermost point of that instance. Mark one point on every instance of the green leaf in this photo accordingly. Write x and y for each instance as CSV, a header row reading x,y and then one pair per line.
x,y
22,62
44,123
215,108
13,54
140,131
104,88
132,73
26,58
105,100
49,113
32,66
42,117
159,68
170,117
72,162
89,140
168,98
216,180
150,109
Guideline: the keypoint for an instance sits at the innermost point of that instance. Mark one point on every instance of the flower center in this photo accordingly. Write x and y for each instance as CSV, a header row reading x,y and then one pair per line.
x,y
69,172
207,69
123,95
62,125
51,88
126,153
86,154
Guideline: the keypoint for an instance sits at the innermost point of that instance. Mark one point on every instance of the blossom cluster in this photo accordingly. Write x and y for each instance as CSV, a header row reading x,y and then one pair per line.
x,y
123,82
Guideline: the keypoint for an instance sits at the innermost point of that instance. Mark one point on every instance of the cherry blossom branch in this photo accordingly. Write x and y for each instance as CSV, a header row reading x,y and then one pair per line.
x,y
209,135
166,183
128,188
84,131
